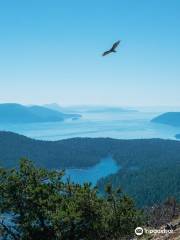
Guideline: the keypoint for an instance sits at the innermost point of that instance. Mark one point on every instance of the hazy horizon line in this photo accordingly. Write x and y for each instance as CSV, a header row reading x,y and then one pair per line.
x,y
90,105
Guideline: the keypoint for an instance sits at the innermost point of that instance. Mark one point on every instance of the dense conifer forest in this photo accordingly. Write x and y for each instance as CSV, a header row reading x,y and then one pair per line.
x,y
149,167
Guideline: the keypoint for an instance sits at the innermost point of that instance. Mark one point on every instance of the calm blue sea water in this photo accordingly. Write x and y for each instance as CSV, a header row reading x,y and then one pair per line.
x,y
114,125
104,168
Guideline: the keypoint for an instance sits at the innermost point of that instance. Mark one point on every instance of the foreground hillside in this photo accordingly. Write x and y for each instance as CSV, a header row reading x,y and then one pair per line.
x,y
36,204
173,235
55,210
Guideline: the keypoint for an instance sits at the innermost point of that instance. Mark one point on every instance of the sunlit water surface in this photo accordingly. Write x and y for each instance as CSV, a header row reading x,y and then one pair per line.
x,y
130,125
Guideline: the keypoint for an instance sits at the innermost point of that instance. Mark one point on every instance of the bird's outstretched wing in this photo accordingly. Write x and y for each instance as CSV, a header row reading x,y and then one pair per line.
x,y
107,52
115,45
112,48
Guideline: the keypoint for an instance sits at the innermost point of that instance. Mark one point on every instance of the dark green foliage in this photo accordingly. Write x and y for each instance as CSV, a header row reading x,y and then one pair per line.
x,y
41,206
149,167
75,152
147,186
85,152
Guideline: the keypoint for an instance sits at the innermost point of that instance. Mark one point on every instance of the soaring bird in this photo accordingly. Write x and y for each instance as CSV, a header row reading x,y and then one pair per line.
x,y
113,49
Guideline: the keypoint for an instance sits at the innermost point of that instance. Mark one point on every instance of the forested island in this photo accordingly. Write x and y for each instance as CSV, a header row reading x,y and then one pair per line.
x,y
169,118
16,113
177,136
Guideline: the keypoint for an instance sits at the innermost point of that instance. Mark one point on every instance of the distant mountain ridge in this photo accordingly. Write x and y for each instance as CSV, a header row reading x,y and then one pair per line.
x,y
17,113
57,107
169,118
88,109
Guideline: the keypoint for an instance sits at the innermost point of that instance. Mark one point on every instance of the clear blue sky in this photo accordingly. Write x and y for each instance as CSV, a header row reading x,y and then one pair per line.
x,y
50,51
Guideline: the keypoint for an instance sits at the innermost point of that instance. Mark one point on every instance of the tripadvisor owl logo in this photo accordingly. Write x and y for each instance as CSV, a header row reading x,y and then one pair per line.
x,y
139,231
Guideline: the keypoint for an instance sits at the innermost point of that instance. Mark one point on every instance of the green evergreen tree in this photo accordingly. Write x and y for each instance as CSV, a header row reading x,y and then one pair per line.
x,y
36,204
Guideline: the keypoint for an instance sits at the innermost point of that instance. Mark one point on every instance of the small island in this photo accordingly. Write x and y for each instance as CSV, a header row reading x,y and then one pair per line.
x,y
177,136
169,118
